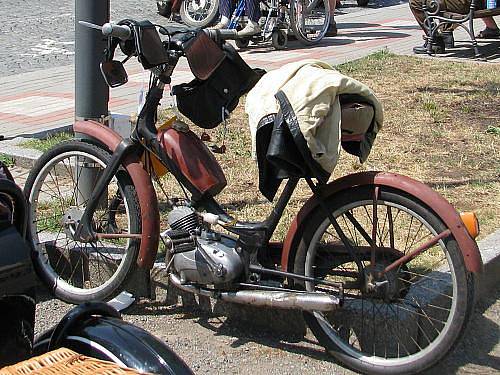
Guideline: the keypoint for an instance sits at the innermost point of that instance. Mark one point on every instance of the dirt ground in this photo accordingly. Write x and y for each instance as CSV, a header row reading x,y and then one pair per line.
x,y
216,344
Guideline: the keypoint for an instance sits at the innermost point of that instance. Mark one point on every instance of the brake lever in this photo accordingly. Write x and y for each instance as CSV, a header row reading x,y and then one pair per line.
x,y
90,25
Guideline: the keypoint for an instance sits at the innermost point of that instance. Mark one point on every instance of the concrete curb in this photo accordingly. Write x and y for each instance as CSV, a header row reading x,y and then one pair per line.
x,y
23,157
490,277
26,157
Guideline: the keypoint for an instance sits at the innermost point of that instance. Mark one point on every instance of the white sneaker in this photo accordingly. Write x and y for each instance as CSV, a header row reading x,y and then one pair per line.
x,y
224,21
250,29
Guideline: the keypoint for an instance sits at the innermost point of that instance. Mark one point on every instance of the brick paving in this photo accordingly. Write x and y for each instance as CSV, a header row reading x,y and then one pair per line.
x,y
34,102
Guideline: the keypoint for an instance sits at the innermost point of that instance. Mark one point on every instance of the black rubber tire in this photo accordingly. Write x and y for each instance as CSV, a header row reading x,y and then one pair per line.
x,y
294,20
465,282
279,39
362,3
209,19
121,275
242,43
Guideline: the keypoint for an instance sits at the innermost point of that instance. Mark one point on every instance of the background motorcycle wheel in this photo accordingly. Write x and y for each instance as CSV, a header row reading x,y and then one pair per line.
x,y
421,310
76,271
309,20
199,13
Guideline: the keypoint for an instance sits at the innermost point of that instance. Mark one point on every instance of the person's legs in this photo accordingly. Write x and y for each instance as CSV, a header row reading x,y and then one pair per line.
x,y
418,13
416,7
252,11
332,27
446,35
225,11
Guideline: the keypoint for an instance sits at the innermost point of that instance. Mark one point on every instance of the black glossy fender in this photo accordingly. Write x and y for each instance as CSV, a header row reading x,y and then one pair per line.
x,y
111,339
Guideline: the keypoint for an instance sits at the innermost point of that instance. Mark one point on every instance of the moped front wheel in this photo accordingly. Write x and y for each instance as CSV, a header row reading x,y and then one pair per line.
x,y
394,319
58,189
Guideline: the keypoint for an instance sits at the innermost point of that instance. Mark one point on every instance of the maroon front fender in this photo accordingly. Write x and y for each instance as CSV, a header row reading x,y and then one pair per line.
x,y
150,217
422,192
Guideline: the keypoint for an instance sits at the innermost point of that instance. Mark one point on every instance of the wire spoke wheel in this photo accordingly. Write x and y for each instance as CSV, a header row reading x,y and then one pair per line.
x,y
309,20
402,318
59,188
199,13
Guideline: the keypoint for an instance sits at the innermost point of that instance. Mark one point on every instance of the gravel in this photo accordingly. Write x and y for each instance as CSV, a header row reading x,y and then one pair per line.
x,y
212,343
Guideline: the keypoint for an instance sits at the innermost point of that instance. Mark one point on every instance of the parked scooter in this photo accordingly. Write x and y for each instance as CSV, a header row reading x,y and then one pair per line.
x,y
381,265
93,329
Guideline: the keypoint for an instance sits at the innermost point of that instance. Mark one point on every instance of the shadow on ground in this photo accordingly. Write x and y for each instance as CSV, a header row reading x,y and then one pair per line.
x,y
488,50
475,352
475,348
227,323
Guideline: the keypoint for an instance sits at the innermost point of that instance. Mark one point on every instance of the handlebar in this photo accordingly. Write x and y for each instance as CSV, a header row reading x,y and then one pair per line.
x,y
122,32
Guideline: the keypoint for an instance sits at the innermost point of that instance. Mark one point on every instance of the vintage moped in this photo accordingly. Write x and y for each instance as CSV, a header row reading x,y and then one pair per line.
x,y
381,265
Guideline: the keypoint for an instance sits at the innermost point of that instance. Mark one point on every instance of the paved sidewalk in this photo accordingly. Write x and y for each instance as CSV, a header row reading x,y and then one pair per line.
x,y
36,102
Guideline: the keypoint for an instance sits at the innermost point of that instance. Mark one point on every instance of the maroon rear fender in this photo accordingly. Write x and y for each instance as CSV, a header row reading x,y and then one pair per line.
x,y
422,192
150,217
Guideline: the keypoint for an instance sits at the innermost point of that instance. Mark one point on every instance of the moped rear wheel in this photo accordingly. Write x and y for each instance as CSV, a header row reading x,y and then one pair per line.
x,y
398,321
58,188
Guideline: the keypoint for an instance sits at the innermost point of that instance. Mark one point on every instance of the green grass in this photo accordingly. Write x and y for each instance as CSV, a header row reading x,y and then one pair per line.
x,y
47,143
493,130
373,62
7,160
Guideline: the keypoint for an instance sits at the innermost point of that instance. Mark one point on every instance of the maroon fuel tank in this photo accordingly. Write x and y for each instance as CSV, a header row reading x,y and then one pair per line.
x,y
194,160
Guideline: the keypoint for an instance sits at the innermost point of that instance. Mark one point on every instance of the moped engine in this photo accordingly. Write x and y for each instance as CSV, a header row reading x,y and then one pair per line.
x,y
201,255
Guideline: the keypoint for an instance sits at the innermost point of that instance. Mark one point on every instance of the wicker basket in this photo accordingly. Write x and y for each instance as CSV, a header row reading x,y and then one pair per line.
x,y
67,362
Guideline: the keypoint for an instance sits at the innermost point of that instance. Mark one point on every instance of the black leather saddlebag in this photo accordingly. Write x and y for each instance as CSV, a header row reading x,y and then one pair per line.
x,y
221,78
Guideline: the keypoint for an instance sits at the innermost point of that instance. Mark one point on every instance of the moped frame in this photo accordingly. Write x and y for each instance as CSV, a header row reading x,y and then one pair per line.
x,y
260,232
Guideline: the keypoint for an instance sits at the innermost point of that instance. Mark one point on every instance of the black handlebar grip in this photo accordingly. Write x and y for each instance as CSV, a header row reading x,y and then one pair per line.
x,y
122,32
221,34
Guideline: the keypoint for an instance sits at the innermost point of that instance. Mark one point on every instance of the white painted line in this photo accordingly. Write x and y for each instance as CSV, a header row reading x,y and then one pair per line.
x,y
36,105
401,23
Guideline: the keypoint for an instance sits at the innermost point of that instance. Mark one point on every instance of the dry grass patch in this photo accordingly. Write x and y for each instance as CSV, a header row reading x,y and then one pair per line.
x,y
441,127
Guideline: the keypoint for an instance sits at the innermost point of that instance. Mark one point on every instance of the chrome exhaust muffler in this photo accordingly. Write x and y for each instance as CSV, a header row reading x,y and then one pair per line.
x,y
305,301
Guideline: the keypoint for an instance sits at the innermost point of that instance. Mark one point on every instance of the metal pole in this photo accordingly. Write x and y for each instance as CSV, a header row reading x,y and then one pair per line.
x,y
91,92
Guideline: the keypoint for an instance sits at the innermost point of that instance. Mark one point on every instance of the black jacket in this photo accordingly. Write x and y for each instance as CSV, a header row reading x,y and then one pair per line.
x,y
282,151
